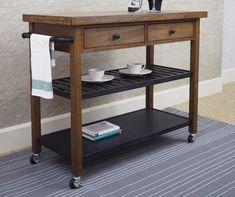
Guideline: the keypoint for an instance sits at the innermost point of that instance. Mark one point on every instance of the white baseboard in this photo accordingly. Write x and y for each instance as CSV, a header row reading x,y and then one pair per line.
x,y
228,75
18,137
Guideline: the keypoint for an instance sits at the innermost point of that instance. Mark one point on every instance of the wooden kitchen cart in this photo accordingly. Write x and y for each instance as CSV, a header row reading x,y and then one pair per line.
x,y
78,33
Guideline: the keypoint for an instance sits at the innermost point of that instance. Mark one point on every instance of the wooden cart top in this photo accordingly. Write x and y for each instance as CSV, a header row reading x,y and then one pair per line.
x,y
89,18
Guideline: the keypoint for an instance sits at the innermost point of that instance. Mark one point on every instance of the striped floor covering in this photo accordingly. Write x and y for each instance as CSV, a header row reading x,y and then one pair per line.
x,y
167,167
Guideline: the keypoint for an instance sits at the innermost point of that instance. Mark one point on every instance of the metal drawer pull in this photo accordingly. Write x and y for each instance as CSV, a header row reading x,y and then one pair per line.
x,y
116,36
172,31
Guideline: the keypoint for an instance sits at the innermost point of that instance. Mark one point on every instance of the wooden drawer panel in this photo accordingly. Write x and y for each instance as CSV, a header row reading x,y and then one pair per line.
x,y
109,36
170,31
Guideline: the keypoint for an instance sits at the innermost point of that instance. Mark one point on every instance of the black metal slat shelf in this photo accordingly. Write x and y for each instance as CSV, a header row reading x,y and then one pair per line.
x,y
148,123
121,82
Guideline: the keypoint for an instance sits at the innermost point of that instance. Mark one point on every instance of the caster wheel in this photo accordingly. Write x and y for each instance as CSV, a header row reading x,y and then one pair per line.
x,y
74,183
34,159
191,138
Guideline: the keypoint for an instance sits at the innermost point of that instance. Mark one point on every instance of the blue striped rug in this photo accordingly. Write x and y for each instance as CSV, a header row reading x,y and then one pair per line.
x,y
167,167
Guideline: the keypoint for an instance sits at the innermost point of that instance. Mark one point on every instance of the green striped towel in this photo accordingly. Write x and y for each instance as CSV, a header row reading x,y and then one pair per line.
x,y
42,60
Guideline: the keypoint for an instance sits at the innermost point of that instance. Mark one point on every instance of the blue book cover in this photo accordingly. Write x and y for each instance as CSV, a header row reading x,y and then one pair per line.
x,y
117,132
99,128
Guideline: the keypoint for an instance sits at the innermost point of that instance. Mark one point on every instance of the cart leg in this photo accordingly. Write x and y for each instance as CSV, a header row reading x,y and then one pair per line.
x,y
76,109
36,124
36,129
35,119
149,89
193,97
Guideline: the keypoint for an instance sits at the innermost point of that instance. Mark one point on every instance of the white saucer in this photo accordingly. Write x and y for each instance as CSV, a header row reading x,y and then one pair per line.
x,y
87,78
125,71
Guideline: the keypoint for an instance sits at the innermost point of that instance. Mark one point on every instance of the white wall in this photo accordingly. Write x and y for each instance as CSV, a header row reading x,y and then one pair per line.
x,y
14,54
229,35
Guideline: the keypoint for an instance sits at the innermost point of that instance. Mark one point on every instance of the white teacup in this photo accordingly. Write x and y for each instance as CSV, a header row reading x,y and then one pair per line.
x,y
135,68
96,74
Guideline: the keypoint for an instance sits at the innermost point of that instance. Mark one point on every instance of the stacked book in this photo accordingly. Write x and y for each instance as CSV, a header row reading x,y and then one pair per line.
x,y
100,130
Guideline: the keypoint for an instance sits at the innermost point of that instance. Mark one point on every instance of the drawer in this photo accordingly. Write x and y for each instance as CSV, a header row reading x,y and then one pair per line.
x,y
170,31
110,36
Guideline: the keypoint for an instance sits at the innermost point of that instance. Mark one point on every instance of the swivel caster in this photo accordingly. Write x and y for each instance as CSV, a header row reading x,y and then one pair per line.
x,y
34,159
75,182
191,138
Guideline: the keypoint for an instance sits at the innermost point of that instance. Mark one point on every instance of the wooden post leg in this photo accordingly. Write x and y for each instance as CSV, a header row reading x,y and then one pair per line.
x,y
76,109
35,118
149,89
36,124
193,97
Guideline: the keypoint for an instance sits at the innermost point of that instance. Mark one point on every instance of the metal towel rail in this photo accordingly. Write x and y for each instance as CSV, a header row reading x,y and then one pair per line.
x,y
53,38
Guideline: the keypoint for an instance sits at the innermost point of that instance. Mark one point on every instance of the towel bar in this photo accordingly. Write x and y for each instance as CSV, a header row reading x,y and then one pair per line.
x,y
53,38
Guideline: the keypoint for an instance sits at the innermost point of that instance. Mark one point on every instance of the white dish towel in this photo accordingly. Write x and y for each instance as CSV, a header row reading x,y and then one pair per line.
x,y
42,60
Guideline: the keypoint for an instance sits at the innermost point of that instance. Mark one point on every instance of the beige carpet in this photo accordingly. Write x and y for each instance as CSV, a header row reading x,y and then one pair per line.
x,y
219,106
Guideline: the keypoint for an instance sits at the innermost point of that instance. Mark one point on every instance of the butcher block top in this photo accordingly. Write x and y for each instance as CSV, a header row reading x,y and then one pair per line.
x,y
90,18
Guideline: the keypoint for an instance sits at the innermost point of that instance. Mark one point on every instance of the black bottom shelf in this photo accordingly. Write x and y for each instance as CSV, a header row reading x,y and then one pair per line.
x,y
138,127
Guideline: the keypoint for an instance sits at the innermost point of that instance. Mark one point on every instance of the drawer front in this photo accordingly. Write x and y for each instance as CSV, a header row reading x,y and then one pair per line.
x,y
110,36
170,31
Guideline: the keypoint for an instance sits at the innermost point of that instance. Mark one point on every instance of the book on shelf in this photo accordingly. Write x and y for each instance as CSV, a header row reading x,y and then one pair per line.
x,y
106,135
100,128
